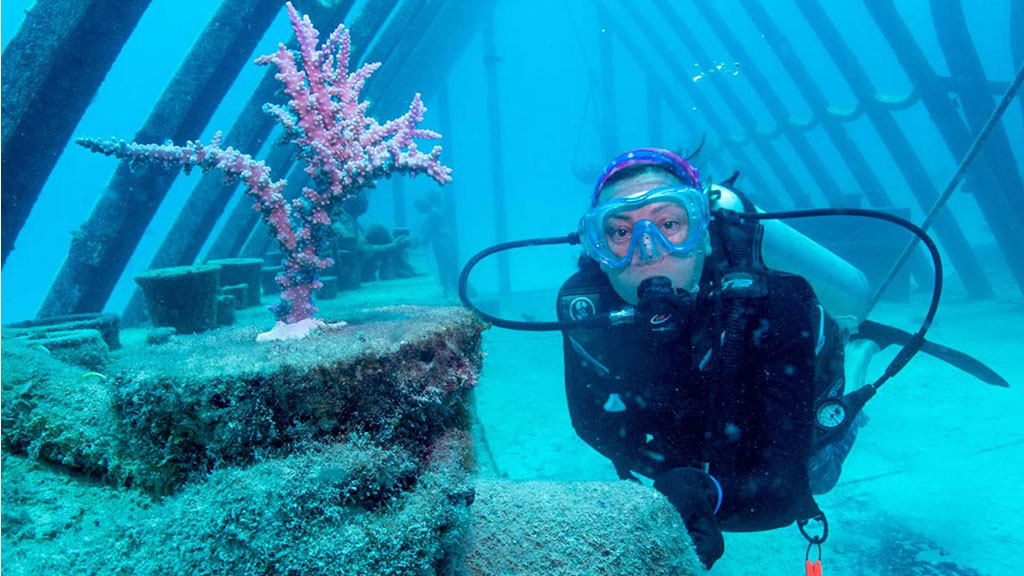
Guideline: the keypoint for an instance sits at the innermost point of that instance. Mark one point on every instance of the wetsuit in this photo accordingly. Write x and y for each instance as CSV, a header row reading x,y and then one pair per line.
x,y
645,399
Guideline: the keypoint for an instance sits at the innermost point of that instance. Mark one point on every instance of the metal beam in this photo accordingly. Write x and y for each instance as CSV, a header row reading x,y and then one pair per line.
x,y
793,187
760,188
394,48
52,69
831,123
773,102
954,131
439,43
101,248
965,64
899,147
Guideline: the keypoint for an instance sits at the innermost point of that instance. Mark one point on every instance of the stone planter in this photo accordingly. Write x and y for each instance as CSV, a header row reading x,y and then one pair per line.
x,y
346,262
182,297
246,271
107,324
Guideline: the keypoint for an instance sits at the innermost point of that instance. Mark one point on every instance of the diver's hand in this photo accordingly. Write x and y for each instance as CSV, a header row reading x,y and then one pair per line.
x,y
695,495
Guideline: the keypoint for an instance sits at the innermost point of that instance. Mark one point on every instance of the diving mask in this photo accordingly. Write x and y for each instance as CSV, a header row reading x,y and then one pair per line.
x,y
670,220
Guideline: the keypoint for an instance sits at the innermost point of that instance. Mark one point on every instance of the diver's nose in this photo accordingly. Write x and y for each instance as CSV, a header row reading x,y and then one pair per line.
x,y
648,253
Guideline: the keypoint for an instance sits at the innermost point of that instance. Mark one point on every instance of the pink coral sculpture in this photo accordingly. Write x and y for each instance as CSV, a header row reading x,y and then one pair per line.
x,y
345,150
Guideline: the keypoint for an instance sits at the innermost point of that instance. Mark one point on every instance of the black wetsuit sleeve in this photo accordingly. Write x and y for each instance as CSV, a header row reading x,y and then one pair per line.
x,y
608,432
771,489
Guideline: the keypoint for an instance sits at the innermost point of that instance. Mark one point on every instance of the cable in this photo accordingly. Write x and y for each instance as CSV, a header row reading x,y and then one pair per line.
x,y
968,158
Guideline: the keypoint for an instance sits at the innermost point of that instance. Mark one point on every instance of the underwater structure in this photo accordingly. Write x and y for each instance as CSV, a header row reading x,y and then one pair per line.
x,y
356,450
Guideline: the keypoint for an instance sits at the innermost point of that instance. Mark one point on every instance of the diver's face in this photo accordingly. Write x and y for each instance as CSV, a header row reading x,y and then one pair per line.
x,y
682,271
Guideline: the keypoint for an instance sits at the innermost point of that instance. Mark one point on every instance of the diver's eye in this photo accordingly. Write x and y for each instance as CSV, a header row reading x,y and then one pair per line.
x,y
670,224
619,234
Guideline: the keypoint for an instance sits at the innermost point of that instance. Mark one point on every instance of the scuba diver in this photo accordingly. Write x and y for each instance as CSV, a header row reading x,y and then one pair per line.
x,y
712,396
715,350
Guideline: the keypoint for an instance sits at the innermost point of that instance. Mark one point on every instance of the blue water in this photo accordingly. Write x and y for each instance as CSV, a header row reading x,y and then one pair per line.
x,y
940,462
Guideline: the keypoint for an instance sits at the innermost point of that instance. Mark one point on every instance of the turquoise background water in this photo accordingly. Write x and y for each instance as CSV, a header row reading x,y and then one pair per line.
x,y
934,479
548,54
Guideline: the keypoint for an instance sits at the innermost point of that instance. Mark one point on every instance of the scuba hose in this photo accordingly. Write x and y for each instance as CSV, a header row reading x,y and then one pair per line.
x,y
626,314
571,239
834,415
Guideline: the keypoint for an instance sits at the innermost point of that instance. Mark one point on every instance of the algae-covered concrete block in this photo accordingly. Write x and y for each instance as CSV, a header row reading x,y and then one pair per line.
x,y
226,305
57,412
198,402
345,453
573,528
329,289
108,325
348,508
183,297
203,401
268,279
160,335
239,293
84,348
234,271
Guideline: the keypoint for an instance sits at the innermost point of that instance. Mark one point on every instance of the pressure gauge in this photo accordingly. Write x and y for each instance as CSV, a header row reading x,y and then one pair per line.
x,y
831,414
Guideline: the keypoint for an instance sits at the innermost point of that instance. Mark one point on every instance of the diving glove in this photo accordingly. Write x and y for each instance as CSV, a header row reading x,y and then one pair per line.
x,y
695,495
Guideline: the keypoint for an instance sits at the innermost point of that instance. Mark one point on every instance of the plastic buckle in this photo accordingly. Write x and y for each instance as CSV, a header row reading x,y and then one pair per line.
x,y
802,525
813,568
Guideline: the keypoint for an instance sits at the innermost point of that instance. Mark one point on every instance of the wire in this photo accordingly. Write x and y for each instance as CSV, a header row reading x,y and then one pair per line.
x,y
968,158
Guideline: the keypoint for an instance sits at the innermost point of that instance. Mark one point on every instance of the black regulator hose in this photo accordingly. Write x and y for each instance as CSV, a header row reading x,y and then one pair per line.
x,y
857,399
571,239
852,403
917,340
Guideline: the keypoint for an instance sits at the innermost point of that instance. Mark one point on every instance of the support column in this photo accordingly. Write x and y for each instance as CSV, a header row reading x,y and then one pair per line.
x,y
107,239
52,69
954,131
491,60
773,102
899,147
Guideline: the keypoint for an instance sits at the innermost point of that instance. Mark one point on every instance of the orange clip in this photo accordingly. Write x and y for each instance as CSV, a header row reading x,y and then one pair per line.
x,y
814,568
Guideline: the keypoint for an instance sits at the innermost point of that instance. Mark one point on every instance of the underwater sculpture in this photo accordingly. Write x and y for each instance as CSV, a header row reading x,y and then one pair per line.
x,y
345,151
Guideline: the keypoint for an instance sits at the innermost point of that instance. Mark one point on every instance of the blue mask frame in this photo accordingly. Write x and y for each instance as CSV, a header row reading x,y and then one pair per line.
x,y
646,239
